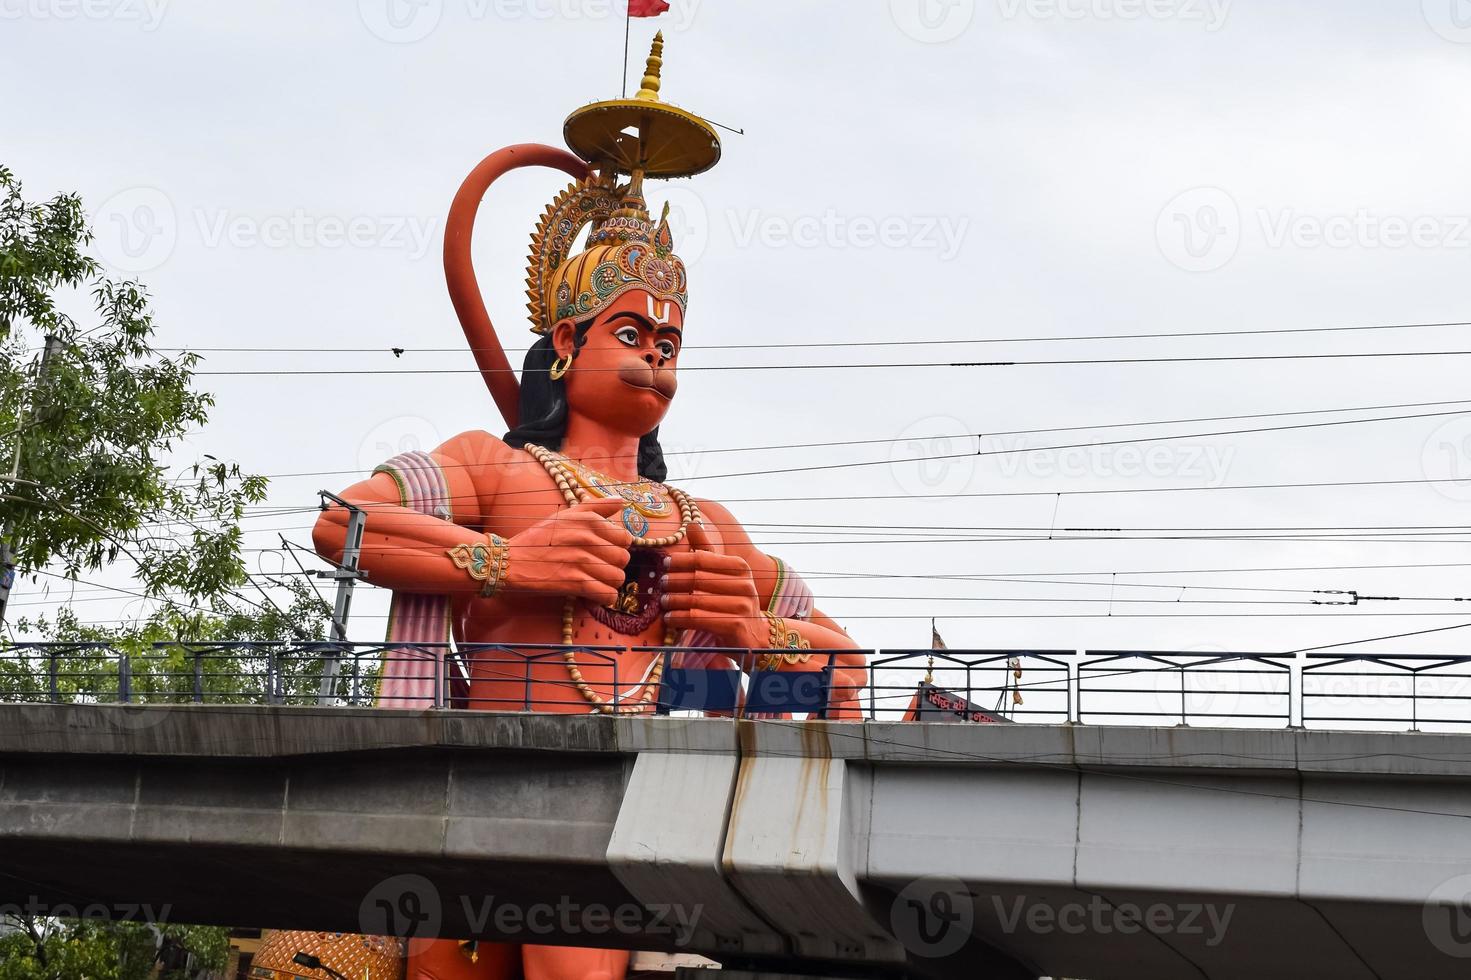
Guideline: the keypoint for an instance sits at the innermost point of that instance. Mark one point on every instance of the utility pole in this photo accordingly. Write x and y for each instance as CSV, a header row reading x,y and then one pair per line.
x,y
7,552
345,574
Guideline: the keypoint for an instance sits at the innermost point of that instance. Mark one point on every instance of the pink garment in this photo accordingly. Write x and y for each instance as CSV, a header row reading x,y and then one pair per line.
x,y
408,677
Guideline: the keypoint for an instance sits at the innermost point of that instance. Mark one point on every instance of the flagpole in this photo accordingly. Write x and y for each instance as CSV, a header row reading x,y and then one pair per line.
x,y
627,22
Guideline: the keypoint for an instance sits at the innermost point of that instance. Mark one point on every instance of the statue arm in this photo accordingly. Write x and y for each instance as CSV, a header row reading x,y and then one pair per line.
x,y
579,551
404,549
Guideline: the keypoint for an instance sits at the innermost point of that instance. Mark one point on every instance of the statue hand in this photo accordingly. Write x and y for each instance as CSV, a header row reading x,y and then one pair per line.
x,y
575,552
704,590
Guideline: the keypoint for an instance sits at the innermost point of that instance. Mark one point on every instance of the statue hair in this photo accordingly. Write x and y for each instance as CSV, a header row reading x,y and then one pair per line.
x,y
544,408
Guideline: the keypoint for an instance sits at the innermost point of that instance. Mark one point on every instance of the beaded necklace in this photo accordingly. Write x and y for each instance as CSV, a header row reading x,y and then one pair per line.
x,y
578,484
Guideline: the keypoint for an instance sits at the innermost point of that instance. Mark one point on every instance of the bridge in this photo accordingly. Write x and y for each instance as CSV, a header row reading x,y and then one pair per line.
x,y
831,849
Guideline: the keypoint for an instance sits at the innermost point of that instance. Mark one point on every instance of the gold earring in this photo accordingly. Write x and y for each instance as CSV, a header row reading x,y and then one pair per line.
x,y
560,367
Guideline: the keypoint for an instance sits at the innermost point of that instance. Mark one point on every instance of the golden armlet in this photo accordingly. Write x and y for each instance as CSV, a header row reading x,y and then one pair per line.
x,y
786,643
488,562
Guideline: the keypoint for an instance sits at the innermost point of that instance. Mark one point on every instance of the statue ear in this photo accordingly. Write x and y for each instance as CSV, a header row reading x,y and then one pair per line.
x,y
564,338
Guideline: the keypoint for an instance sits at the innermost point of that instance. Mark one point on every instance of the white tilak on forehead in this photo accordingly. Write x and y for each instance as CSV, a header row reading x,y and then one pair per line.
x,y
662,316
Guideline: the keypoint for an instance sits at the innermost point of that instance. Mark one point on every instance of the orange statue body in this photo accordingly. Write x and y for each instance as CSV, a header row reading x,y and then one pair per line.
x,y
563,534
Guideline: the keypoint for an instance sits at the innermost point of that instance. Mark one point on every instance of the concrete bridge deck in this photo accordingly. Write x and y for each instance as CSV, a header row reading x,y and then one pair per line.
x,y
929,850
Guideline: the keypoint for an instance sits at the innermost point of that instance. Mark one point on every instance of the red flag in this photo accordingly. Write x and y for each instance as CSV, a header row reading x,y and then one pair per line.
x,y
646,8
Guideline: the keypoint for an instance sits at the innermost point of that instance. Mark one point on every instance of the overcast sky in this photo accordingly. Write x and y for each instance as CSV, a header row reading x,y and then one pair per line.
x,y
278,174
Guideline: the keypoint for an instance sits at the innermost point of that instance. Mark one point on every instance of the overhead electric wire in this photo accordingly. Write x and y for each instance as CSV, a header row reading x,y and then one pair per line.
x,y
1167,437
1035,339
855,366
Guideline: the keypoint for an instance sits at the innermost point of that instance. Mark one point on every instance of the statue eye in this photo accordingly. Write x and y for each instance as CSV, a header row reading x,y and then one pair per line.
x,y
666,350
629,335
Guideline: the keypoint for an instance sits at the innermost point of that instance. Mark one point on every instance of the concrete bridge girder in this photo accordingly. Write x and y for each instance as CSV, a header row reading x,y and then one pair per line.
x,y
801,843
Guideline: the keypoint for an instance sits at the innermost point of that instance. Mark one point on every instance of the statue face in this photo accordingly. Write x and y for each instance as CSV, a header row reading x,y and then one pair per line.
x,y
624,373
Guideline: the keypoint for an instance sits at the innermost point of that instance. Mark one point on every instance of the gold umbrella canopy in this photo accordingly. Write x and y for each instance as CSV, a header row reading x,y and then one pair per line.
x,y
642,133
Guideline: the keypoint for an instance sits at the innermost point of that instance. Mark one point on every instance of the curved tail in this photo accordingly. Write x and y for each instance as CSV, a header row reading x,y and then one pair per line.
x,y
459,269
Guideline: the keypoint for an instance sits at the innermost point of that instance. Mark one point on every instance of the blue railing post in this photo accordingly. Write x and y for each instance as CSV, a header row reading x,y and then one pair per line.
x,y
526,694
273,666
1072,687
1414,699
440,678
198,676
124,677
1184,712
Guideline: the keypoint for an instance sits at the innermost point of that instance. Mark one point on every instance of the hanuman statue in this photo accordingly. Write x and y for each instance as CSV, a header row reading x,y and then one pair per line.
x,y
563,535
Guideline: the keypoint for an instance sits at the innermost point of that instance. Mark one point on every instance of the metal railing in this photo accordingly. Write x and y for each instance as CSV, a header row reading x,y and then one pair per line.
x,y
1416,692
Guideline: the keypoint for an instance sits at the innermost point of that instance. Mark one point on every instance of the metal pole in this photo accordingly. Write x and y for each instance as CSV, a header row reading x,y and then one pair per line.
x,y
7,553
1184,719
346,574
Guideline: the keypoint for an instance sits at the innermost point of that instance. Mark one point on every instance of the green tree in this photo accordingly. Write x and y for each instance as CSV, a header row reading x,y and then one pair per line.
x,y
93,434
37,947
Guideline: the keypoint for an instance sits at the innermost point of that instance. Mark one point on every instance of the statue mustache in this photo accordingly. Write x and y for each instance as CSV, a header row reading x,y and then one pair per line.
x,y
641,374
